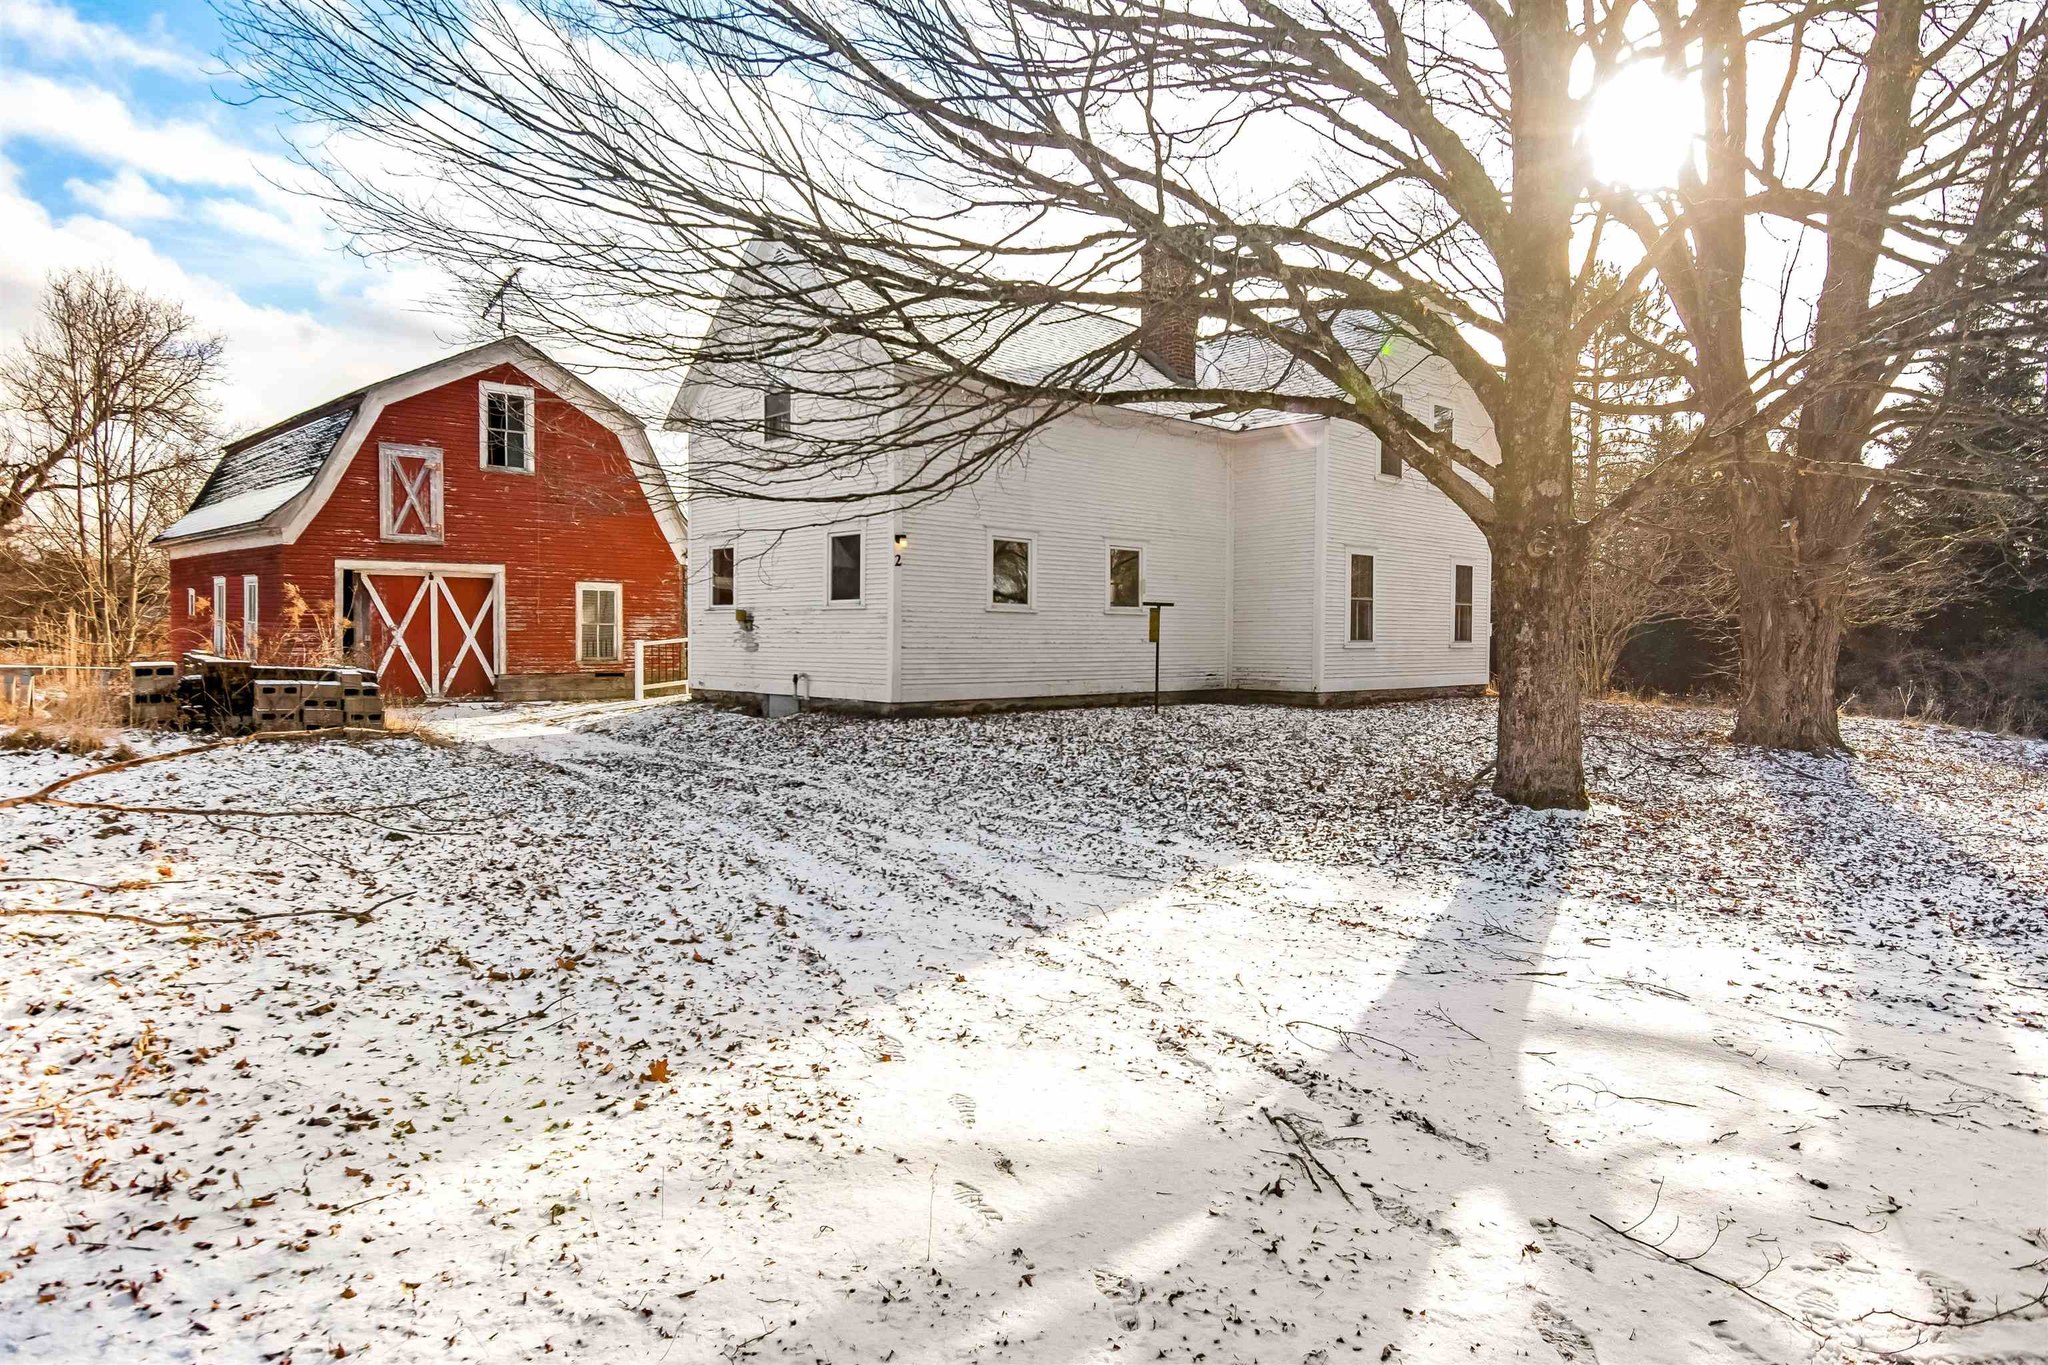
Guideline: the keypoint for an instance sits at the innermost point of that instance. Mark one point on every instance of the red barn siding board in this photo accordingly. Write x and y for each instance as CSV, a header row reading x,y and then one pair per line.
x,y
581,516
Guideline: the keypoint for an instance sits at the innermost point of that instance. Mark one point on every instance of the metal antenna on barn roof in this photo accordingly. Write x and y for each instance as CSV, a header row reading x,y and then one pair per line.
x,y
1152,629
497,300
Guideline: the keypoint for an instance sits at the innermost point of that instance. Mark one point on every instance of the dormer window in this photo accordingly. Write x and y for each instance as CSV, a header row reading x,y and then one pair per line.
x,y
507,418
775,405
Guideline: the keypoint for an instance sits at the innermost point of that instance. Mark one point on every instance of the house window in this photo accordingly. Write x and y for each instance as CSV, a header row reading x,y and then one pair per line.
x,y
775,405
220,616
1361,598
721,576
1009,572
1446,423
842,567
191,602
597,623
1461,604
1390,459
409,492
249,604
1126,576
508,428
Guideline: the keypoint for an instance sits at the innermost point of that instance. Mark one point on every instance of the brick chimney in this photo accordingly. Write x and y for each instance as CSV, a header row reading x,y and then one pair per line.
x,y
1169,312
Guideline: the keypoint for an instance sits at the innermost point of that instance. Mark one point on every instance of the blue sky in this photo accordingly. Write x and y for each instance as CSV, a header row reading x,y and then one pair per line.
x,y
121,145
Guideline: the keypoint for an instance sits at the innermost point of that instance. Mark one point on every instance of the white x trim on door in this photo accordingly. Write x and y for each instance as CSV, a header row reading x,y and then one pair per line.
x,y
398,645
469,627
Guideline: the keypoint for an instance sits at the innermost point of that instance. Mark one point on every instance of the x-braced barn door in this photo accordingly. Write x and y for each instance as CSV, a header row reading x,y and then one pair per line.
x,y
428,632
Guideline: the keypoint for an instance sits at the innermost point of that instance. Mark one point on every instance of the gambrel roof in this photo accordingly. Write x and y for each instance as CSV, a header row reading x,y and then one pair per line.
x,y
269,483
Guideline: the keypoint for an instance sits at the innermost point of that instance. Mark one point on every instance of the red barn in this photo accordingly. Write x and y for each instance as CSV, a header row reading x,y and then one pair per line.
x,y
489,525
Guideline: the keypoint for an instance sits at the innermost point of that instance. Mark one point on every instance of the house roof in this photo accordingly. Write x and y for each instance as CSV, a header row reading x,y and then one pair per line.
x,y
1094,349
268,483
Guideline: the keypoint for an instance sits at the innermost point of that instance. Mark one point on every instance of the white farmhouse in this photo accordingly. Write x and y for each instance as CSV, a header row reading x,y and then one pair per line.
x,y
1300,565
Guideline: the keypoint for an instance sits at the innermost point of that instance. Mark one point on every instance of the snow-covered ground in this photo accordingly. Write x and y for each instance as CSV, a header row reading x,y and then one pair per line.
x,y
1230,1035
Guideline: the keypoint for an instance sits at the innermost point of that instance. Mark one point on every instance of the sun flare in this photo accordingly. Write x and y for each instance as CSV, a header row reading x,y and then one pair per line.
x,y
1640,127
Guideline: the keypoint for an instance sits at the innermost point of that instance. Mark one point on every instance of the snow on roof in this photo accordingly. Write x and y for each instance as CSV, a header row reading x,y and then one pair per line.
x,y
1097,350
242,509
258,475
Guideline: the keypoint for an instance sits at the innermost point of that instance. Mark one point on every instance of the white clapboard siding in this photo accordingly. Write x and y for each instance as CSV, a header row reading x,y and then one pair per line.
x,y
839,650
1272,503
1415,535
1086,483
1248,534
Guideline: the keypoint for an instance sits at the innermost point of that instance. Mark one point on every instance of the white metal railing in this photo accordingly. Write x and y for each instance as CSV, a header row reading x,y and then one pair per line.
x,y
669,671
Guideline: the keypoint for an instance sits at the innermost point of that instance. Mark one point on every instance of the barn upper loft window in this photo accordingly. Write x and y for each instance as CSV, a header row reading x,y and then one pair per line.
x,y
507,418
775,405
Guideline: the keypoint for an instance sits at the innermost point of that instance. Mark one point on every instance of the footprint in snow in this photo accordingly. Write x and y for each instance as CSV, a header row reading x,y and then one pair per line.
x,y
971,1198
1565,1336
1122,1288
964,1106
1399,1214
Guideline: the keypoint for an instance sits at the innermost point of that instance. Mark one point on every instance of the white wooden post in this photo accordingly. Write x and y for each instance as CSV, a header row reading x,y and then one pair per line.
x,y
639,670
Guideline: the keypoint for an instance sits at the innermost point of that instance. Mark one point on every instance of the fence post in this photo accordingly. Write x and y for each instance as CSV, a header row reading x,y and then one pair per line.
x,y
639,670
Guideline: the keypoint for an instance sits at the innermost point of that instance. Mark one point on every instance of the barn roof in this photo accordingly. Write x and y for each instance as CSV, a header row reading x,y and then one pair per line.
x,y
262,472
268,482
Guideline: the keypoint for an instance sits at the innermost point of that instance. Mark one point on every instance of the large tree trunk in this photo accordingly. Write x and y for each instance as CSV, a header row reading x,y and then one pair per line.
x,y
1793,617
1541,581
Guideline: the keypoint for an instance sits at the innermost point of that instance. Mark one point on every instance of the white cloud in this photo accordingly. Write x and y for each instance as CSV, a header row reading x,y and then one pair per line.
x,y
97,123
55,33
125,198
278,360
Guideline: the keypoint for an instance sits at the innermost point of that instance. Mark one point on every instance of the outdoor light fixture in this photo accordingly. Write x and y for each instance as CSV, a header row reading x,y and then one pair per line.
x,y
902,542
744,617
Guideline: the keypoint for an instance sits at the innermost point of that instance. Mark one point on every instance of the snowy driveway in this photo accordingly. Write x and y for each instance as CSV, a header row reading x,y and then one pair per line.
x,y
1234,1035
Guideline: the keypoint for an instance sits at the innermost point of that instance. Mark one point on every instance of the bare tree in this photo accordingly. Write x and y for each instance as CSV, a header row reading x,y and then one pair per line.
x,y
1886,151
110,411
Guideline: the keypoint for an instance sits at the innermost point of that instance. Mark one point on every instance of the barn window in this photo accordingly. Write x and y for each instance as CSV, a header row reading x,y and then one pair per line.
x,y
409,492
1009,572
220,616
1446,423
1361,599
721,576
1126,576
1461,604
249,604
597,623
1390,459
508,428
842,567
775,408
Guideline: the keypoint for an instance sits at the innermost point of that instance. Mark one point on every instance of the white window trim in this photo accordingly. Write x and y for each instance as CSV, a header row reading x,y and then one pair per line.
x,y
483,426
988,569
220,614
849,603
1109,548
251,604
192,602
1344,634
618,593
711,579
387,454
1451,617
